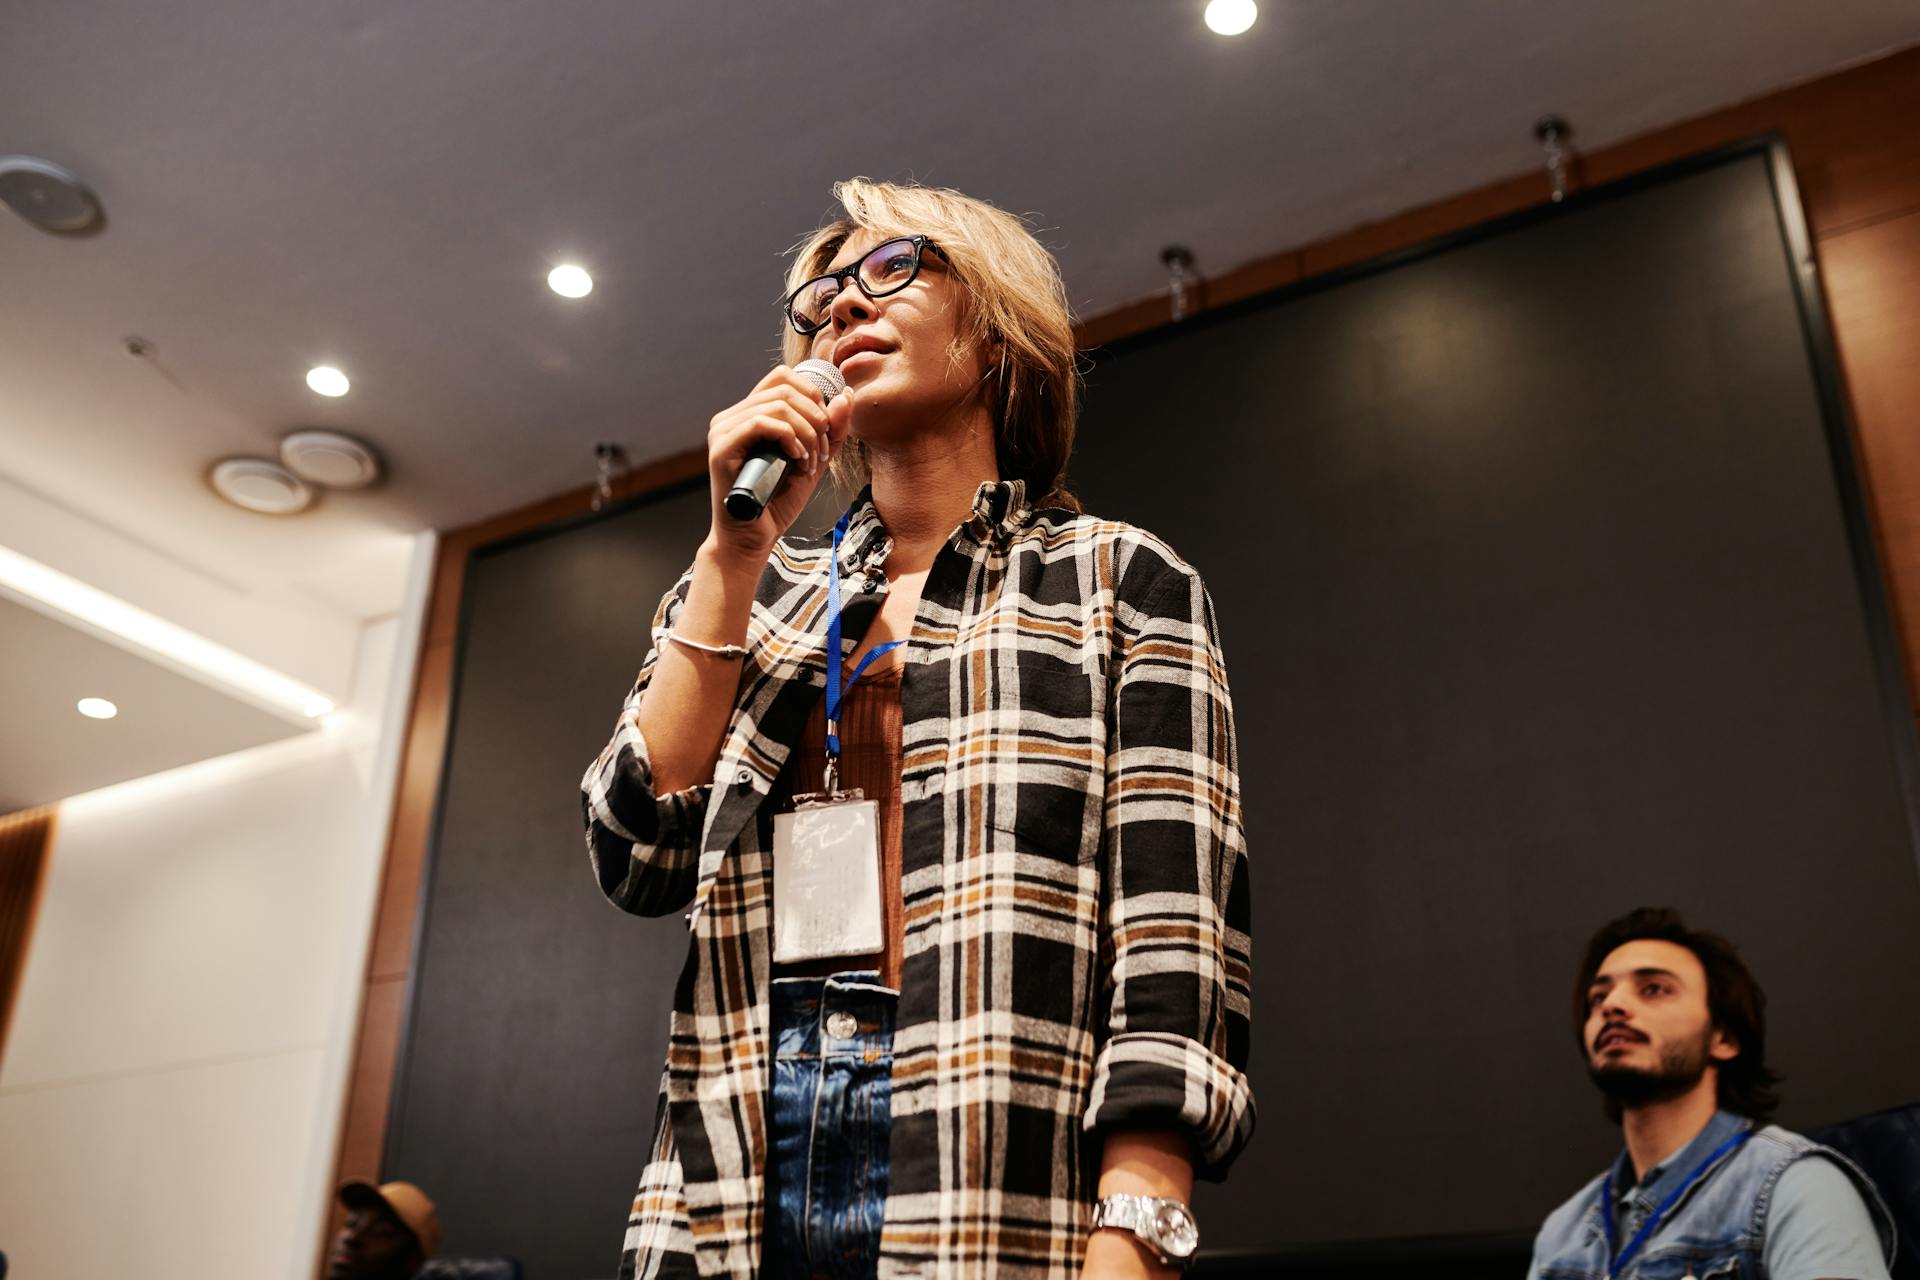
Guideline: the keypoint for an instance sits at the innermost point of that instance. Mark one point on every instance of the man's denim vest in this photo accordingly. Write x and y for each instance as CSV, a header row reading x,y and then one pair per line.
x,y
1718,1230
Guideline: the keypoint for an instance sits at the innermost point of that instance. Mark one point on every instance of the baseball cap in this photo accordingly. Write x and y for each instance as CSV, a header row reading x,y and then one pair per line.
x,y
407,1202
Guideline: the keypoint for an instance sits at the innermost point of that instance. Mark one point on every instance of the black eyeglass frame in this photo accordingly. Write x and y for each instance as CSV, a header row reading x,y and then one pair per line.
x,y
851,273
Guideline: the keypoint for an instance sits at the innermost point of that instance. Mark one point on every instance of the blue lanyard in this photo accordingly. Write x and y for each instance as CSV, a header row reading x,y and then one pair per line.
x,y
1616,1262
835,691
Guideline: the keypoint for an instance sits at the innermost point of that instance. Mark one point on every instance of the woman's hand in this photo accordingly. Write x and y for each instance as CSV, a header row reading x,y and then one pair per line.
x,y
683,713
782,410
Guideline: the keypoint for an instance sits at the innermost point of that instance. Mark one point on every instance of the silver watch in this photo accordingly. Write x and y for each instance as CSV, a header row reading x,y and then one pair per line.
x,y
1164,1225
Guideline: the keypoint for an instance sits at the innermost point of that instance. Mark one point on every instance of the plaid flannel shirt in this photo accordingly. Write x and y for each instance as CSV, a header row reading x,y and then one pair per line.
x,y
1074,881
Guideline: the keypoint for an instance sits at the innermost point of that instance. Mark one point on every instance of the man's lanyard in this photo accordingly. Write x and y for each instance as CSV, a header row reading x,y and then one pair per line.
x,y
835,692
1618,1261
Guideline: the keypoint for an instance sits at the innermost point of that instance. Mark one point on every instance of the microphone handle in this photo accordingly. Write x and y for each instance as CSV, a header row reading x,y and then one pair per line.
x,y
753,488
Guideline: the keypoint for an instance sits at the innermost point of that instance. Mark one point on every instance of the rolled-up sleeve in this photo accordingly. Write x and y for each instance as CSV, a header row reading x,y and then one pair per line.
x,y
644,847
1174,865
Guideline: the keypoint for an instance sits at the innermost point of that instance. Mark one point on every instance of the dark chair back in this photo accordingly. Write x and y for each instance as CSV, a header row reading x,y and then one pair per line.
x,y
472,1269
1886,1145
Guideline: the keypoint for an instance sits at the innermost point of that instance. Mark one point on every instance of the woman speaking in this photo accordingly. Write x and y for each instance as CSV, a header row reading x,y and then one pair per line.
x,y
949,801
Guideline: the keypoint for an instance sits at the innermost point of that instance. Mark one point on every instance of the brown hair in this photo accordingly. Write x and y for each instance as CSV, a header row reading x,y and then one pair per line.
x,y
1735,1002
1015,303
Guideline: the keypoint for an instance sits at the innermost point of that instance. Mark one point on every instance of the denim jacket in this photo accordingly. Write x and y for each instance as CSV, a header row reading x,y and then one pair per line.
x,y
1718,1230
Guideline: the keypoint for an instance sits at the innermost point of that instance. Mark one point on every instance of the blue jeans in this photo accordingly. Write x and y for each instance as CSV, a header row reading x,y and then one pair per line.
x,y
830,1113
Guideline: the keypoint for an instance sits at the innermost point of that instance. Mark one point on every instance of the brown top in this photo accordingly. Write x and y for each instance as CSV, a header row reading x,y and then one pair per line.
x,y
869,760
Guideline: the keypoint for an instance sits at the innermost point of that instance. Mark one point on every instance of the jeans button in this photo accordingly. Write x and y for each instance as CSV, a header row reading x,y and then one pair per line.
x,y
842,1025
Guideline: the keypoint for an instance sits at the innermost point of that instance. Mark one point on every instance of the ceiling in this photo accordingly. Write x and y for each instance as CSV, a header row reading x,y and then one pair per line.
x,y
50,751
384,187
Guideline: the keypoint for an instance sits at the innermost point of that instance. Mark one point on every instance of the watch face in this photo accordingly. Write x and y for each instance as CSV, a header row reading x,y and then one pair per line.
x,y
1178,1236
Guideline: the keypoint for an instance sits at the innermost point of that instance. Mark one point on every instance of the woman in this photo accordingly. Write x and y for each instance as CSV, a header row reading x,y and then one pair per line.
x,y
1056,1010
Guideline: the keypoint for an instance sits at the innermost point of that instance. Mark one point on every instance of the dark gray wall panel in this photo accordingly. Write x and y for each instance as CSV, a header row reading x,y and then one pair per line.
x,y
532,1061
1538,606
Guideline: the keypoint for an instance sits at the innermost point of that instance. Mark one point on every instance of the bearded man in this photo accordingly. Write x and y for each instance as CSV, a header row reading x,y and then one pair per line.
x,y
1673,1030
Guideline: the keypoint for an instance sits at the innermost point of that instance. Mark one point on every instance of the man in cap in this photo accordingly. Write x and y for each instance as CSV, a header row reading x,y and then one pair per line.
x,y
390,1232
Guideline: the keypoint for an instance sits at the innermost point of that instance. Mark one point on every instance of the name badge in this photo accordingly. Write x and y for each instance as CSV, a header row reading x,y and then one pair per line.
x,y
826,879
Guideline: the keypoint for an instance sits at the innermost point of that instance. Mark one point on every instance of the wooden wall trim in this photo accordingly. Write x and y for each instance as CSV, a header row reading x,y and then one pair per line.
x,y
1857,158
26,841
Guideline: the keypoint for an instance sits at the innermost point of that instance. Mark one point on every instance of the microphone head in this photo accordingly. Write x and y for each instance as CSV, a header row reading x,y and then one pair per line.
x,y
822,374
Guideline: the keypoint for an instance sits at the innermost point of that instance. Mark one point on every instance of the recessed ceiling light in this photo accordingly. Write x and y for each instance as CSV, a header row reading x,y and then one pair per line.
x,y
327,380
570,281
330,458
97,709
260,485
1231,17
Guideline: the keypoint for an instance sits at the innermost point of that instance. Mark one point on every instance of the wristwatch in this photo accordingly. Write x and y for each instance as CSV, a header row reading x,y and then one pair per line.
x,y
1164,1225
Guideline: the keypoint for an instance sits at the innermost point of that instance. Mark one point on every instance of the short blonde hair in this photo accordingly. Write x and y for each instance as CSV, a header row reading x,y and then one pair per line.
x,y
1015,302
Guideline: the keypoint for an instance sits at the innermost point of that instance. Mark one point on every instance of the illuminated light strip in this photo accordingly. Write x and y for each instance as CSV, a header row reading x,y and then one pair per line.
x,y
72,600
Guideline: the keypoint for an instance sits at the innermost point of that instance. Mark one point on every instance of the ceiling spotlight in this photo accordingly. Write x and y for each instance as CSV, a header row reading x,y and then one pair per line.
x,y
330,458
260,485
327,380
48,196
97,708
1231,17
570,281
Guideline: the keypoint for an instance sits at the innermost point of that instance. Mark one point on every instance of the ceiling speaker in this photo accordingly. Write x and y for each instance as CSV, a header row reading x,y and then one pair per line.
x,y
331,459
48,196
259,484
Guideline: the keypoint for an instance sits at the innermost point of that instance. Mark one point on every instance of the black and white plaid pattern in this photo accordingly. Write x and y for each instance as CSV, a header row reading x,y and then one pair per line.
x,y
1074,876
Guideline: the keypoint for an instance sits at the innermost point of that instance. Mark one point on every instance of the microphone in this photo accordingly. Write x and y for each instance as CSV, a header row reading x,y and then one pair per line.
x,y
760,474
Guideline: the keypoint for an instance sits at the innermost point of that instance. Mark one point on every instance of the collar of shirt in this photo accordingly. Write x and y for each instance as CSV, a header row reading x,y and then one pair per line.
x,y
1635,1201
1000,510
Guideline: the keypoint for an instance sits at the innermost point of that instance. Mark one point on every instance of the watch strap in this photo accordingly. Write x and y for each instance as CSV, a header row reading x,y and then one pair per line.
x,y
1138,1214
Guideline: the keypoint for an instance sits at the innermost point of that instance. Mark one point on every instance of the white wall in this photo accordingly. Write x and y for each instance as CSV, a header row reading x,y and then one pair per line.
x,y
174,1077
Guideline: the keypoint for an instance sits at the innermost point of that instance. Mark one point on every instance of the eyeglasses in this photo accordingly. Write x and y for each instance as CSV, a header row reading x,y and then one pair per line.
x,y
887,269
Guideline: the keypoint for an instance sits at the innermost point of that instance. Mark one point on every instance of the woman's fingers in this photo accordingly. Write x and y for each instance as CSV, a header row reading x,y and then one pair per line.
x,y
813,414
779,413
740,437
803,395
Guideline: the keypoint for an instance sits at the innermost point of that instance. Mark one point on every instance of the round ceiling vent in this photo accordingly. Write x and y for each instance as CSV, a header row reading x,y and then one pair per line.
x,y
260,485
47,196
331,459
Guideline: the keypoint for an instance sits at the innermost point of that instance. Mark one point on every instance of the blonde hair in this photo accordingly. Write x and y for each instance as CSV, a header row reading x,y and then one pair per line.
x,y
1015,303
